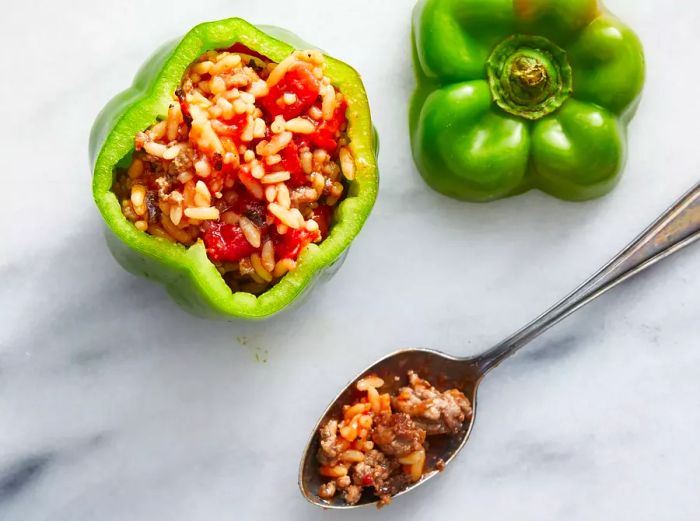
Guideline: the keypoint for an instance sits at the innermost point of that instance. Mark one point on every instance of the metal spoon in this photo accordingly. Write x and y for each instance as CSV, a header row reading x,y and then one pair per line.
x,y
674,230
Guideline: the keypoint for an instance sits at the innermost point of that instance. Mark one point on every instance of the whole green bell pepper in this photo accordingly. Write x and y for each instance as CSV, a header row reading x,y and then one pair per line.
x,y
520,94
190,278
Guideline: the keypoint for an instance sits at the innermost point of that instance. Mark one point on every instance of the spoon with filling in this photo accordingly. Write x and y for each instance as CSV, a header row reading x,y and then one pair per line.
x,y
406,397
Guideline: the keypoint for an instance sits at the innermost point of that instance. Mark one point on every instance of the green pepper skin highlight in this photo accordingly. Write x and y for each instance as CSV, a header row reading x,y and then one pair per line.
x,y
188,275
513,95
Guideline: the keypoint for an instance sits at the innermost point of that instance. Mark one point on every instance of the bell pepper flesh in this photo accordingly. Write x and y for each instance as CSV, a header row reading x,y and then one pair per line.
x,y
187,273
513,95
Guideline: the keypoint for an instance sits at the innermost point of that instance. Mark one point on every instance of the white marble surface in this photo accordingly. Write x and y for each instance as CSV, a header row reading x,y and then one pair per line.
x,y
117,406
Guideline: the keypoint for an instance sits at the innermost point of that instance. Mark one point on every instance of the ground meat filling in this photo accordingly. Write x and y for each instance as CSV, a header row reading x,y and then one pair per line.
x,y
328,451
375,448
433,411
381,472
397,435
251,159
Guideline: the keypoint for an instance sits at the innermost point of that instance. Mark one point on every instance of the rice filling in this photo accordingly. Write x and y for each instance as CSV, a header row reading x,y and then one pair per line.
x,y
251,158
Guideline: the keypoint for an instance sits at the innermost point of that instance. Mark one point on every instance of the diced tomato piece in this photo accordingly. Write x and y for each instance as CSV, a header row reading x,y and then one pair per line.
x,y
323,215
327,132
289,245
302,140
227,171
238,120
367,480
292,164
226,243
322,140
300,81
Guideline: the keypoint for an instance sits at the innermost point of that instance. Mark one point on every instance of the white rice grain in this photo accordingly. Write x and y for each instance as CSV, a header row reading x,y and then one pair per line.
x,y
202,214
251,232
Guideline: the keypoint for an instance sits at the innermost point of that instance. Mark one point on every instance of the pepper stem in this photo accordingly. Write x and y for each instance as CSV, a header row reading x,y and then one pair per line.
x,y
529,72
529,76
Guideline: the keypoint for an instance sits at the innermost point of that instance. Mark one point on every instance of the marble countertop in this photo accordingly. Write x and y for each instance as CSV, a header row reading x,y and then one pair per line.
x,y
115,405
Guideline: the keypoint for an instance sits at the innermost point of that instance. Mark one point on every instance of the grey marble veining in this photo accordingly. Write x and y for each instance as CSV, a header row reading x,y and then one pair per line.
x,y
115,405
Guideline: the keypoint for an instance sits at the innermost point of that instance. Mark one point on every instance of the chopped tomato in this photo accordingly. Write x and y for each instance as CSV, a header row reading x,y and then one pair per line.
x,y
232,128
292,164
302,140
323,215
367,480
226,243
228,172
327,132
299,81
324,141
289,245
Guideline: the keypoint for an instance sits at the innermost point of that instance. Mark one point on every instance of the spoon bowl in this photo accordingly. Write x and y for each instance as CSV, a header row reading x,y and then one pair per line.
x,y
442,370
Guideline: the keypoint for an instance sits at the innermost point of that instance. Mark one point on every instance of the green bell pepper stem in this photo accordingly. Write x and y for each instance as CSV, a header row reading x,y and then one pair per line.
x,y
188,275
519,94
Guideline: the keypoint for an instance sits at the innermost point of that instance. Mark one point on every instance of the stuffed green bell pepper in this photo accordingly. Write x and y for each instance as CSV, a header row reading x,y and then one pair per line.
x,y
236,170
521,94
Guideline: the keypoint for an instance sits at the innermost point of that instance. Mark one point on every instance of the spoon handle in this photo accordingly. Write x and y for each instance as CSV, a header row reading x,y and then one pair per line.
x,y
674,230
